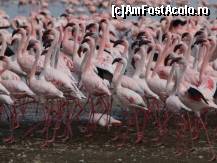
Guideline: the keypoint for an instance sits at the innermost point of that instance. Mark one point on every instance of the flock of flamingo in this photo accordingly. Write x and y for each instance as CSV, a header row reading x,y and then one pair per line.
x,y
153,70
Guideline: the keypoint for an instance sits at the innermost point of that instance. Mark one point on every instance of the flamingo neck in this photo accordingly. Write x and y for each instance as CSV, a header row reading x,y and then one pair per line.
x,y
66,36
202,51
21,45
82,28
116,74
55,50
205,62
148,69
33,30
40,34
75,44
4,46
52,49
169,79
167,26
103,42
26,42
83,63
119,73
196,58
180,72
90,58
159,61
188,53
125,52
37,56
141,64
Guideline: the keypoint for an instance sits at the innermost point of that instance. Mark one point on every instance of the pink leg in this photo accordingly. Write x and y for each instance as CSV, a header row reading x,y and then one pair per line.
x,y
209,141
139,133
11,138
180,136
190,129
91,122
57,124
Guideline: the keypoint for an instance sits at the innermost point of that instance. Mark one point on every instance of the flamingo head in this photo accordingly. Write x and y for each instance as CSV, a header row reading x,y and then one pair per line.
x,y
64,15
177,23
82,49
91,34
92,27
144,42
135,44
17,31
33,44
117,60
200,35
212,41
136,50
47,38
49,24
187,37
200,41
118,42
71,24
180,48
135,59
44,13
171,59
122,42
141,35
165,37
44,52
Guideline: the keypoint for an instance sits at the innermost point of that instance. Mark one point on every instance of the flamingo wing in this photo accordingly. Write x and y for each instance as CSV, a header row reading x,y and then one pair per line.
x,y
196,95
104,74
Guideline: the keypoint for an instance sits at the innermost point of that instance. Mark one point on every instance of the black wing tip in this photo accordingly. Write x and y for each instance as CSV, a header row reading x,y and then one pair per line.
x,y
104,74
194,92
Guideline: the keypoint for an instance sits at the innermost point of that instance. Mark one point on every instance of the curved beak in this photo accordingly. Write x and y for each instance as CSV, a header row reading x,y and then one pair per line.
x,y
15,32
134,44
136,50
91,34
31,44
116,43
81,49
116,60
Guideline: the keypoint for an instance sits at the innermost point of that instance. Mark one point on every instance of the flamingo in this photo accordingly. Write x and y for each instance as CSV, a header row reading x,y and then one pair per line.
x,y
92,83
12,61
41,87
126,96
59,77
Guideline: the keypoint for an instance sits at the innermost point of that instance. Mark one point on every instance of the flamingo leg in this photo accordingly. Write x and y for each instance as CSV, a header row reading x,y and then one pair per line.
x,y
180,136
190,129
58,122
91,119
209,141
11,138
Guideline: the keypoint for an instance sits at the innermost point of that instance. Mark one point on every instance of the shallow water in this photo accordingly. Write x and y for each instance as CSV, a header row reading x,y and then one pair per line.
x,y
57,8
13,9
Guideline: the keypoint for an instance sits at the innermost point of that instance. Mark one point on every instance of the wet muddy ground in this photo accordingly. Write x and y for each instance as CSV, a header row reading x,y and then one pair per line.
x,y
100,148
